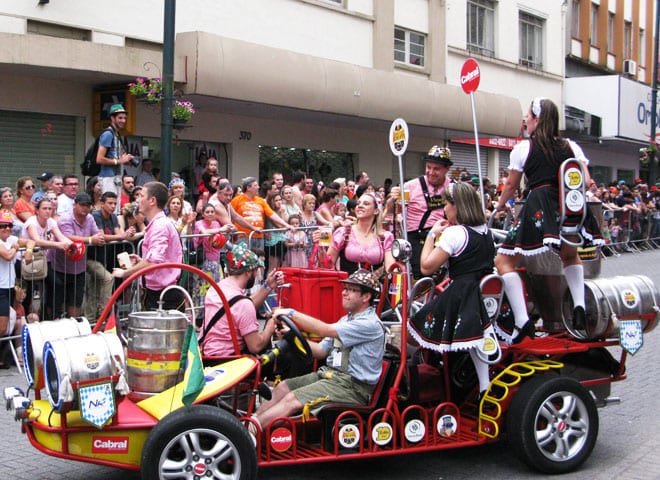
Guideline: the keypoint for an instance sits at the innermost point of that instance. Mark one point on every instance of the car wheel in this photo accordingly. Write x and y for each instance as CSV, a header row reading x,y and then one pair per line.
x,y
199,442
552,424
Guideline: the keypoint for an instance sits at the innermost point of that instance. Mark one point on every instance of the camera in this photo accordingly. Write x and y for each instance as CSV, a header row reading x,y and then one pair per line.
x,y
134,161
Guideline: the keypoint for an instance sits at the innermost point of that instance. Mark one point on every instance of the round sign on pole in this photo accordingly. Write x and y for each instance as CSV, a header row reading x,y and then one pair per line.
x,y
470,76
399,137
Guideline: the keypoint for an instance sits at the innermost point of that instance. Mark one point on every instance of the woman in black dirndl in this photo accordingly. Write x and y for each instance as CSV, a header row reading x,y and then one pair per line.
x,y
537,227
456,319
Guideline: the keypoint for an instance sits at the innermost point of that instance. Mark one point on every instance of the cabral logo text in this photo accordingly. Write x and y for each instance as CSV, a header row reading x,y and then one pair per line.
x,y
109,444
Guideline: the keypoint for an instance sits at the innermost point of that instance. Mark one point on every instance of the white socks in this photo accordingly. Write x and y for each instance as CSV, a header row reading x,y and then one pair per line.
x,y
482,370
575,280
513,288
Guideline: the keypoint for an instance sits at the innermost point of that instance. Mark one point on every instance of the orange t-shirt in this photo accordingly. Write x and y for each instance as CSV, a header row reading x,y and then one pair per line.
x,y
253,212
22,206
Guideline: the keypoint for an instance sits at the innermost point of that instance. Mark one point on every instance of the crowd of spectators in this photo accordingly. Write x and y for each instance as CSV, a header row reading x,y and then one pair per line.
x,y
277,219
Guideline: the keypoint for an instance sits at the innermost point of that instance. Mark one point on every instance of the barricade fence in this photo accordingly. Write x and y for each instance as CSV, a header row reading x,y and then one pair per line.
x,y
630,231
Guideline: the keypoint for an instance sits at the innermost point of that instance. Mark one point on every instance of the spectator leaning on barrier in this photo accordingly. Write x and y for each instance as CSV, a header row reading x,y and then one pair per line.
x,y
79,225
101,259
254,210
161,245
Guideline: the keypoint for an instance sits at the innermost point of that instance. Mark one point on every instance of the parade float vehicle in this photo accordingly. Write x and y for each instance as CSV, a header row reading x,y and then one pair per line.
x,y
123,398
119,402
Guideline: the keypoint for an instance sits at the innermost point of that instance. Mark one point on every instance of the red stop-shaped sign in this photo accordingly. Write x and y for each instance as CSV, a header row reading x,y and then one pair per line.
x,y
470,75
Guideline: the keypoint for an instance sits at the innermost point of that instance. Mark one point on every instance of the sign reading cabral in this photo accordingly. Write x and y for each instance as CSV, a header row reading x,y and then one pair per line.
x,y
470,75
108,444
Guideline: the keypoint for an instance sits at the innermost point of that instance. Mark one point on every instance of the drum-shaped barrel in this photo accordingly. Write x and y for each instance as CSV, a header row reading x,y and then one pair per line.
x,y
609,300
35,335
78,359
154,351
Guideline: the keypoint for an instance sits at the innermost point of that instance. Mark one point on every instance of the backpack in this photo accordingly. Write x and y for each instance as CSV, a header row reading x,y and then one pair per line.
x,y
89,167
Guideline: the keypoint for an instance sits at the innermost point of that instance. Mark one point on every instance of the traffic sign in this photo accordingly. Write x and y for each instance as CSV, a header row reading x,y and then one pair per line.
x,y
470,76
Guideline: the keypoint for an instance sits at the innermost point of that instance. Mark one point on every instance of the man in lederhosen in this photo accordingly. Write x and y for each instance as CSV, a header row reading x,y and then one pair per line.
x,y
426,205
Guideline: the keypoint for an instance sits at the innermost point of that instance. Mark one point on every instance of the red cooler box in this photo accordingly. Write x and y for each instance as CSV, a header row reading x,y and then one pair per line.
x,y
314,292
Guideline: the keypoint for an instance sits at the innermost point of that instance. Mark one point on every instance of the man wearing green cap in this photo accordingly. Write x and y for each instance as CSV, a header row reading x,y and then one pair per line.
x,y
216,339
111,153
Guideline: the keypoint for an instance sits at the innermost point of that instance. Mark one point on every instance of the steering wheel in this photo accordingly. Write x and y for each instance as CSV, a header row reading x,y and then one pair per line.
x,y
293,341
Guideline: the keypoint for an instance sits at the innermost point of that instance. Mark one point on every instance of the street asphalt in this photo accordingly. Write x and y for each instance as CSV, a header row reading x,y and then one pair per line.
x,y
627,446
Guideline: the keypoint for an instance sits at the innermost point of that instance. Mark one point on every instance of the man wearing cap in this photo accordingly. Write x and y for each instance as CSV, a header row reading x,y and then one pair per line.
x,y
45,179
111,155
353,348
78,226
161,244
215,337
426,205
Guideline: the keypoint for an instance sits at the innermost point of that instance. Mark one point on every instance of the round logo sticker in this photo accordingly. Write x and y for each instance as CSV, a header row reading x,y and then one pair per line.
x,y
574,201
415,431
491,306
630,297
447,425
381,434
281,439
349,436
573,178
399,137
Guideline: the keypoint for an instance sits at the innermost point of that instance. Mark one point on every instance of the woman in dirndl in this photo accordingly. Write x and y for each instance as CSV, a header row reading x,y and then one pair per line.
x,y
456,319
537,228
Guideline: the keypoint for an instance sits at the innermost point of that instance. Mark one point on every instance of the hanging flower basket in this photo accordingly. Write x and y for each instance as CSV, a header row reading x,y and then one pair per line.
x,y
182,110
179,123
149,90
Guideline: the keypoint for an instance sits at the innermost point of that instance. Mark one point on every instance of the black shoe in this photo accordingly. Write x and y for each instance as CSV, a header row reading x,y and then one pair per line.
x,y
527,331
579,318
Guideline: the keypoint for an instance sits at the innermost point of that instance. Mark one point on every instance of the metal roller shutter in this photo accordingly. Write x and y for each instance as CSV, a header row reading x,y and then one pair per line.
x,y
32,143
465,158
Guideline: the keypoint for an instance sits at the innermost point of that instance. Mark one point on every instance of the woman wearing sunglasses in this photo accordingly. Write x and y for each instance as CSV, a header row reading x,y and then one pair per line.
x,y
24,190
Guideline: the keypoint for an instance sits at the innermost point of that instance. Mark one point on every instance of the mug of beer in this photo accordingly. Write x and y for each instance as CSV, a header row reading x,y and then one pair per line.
x,y
325,237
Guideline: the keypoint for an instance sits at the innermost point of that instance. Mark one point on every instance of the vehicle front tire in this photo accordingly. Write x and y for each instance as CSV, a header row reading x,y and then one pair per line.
x,y
199,442
552,424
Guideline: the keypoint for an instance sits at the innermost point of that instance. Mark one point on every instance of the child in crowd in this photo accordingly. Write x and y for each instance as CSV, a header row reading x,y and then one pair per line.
x,y
339,212
296,242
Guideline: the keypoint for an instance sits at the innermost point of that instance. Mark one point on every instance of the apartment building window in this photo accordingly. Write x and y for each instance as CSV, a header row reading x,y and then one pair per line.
x,y
642,48
531,41
594,24
481,27
575,19
627,40
409,47
610,32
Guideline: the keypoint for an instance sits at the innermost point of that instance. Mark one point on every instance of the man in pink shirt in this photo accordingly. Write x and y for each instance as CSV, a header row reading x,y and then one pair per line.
x,y
426,205
215,339
162,244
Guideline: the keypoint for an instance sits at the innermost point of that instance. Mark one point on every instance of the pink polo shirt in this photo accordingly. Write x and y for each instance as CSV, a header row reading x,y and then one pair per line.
x,y
416,207
162,244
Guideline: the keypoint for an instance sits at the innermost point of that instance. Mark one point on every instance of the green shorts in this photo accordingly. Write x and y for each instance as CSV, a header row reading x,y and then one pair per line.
x,y
328,385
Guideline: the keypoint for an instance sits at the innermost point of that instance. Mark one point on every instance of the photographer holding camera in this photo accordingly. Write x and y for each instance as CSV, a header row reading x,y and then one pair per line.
x,y
112,154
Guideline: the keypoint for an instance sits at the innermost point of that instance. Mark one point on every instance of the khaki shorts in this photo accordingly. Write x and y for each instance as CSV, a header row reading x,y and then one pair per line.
x,y
328,385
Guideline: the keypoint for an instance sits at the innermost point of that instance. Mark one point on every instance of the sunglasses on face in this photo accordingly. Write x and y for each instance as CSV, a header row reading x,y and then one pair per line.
x,y
6,226
29,187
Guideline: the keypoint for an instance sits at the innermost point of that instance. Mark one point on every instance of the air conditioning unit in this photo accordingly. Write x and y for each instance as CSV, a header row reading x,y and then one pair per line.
x,y
630,67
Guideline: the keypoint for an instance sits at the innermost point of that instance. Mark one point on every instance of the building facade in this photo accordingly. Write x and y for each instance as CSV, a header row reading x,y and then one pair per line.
x,y
278,84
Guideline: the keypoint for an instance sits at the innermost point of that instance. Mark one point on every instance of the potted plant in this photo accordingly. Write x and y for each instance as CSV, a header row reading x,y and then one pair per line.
x,y
148,89
182,112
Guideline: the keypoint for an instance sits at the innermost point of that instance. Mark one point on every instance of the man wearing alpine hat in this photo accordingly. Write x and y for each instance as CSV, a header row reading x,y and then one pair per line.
x,y
111,155
426,205
353,348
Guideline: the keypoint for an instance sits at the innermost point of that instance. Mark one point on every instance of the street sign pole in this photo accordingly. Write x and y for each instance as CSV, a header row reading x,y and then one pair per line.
x,y
470,77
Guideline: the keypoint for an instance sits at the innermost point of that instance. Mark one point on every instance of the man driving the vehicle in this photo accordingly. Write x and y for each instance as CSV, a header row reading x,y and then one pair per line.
x,y
353,348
